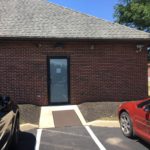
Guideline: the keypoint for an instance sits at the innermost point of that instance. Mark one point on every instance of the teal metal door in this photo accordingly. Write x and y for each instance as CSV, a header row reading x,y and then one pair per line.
x,y
58,76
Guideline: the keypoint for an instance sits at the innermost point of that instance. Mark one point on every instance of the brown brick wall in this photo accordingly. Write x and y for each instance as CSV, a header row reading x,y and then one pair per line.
x,y
112,71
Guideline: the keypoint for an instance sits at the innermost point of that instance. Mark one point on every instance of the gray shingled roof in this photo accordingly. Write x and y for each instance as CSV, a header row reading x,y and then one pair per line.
x,y
41,19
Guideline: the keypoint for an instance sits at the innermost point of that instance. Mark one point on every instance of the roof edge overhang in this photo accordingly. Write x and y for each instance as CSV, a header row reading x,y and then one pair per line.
x,y
74,38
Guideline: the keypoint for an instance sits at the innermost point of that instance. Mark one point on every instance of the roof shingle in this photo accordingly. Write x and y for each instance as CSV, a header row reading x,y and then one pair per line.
x,y
41,19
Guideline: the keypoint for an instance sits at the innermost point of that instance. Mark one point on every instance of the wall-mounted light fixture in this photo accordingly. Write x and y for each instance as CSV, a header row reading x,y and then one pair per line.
x,y
139,47
148,48
59,45
92,47
39,45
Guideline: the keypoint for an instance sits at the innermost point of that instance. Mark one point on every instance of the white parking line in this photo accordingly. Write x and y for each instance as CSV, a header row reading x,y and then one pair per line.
x,y
79,114
96,140
38,139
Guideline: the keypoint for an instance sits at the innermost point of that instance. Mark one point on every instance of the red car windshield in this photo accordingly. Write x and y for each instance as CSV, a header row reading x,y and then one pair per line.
x,y
144,103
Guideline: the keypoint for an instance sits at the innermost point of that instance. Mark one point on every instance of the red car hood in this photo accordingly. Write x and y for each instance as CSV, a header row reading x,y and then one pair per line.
x,y
136,102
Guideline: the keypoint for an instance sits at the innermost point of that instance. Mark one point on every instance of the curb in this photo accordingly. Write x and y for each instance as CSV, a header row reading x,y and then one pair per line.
x,y
28,126
104,123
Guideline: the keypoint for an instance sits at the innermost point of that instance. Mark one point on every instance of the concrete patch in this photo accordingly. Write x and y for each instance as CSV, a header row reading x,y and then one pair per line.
x,y
46,117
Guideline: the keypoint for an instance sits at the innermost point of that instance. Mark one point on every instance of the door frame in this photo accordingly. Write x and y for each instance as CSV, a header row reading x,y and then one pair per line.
x,y
49,81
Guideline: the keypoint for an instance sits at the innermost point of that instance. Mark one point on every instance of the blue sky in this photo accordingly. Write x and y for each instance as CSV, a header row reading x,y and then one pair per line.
x,y
100,8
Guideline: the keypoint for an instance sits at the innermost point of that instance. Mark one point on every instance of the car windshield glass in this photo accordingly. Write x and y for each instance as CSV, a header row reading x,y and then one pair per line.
x,y
144,103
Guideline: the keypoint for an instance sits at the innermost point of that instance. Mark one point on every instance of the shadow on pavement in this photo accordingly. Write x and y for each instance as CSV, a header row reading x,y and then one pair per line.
x,y
141,141
26,141
113,139
146,144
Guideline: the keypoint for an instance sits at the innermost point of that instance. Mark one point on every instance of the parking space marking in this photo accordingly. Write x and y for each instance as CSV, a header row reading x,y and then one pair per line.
x,y
65,133
38,139
77,110
96,140
83,121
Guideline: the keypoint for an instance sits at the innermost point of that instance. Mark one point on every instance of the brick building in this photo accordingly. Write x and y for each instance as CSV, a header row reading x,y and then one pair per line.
x,y
52,55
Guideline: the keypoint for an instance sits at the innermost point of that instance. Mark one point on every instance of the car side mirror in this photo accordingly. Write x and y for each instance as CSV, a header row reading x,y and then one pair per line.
x,y
146,108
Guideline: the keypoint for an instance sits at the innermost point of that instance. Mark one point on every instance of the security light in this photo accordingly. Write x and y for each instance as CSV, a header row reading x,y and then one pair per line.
x,y
139,47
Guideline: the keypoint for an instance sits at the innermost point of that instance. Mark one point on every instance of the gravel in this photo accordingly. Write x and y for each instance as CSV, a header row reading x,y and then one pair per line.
x,y
29,113
90,110
99,110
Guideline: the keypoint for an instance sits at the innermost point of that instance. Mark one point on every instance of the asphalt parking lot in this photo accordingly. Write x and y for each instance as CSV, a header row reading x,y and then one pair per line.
x,y
113,139
77,138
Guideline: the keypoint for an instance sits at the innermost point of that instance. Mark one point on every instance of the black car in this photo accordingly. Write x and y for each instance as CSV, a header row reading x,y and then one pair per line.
x,y
9,123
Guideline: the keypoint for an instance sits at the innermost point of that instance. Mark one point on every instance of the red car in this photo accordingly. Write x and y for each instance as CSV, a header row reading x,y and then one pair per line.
x,y
134,117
